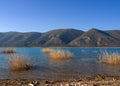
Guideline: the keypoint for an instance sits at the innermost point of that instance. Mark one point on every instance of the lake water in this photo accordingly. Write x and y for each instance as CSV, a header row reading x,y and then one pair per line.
x,y
84,64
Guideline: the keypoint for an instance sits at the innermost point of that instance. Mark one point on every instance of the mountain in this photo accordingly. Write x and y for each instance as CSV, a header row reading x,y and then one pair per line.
x,y
62,38
13,39
97,38
114,33
59,37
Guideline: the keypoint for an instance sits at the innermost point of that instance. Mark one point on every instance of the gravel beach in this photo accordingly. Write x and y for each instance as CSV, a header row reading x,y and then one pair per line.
x,y
97,80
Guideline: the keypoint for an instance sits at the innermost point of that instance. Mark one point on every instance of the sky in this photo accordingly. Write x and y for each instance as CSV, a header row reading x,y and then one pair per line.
x,y
45,15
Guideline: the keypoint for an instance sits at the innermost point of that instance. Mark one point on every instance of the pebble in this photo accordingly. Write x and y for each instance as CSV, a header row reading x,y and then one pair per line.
x,y
108,81
30,84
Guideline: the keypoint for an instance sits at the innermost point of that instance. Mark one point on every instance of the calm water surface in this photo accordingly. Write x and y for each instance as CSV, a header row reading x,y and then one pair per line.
x,y
84,64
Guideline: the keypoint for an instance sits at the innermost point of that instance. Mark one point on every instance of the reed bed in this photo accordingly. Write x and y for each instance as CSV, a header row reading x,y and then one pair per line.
x,y
47,50
18,63
110,58
60,54
8,51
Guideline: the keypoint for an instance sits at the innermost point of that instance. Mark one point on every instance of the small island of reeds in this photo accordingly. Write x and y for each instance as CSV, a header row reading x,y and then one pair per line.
x,y
58,54
8,51
109,58
19,63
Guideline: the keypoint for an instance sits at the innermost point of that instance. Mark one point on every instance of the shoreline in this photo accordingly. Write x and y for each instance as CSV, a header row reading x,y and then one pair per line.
x,y
98,80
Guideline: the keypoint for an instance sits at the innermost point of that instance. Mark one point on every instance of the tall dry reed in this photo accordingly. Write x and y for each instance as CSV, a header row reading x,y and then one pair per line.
x,y
60,54
47,50
110,58
8,51
18,63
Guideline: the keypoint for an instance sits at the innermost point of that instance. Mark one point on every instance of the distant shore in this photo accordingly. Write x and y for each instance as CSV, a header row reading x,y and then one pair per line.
x,y
98,80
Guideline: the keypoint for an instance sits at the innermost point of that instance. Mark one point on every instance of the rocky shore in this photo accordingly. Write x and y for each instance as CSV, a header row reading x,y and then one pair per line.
x,y
97,80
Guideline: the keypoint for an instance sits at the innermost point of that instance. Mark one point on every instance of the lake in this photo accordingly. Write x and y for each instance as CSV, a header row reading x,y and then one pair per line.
x,y
84,64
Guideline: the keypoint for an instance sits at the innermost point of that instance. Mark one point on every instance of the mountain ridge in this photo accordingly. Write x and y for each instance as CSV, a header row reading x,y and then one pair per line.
x,y
68,37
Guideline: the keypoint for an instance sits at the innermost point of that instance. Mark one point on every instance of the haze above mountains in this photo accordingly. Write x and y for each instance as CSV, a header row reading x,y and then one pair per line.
x,y
62,38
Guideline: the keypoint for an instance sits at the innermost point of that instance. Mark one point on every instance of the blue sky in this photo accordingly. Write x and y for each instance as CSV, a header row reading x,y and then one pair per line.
x,y
45,15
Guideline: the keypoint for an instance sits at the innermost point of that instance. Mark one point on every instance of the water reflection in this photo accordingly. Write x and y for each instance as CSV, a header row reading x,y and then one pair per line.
x,y
84,64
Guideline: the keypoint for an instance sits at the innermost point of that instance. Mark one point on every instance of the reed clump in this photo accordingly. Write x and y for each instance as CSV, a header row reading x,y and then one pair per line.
x,y
19,63
60,54
47,50
8,51
110,58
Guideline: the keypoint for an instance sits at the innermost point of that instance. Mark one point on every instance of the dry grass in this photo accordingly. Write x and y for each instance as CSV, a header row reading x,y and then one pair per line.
x,y
18,63
60,54
110,58
47,50
8,51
